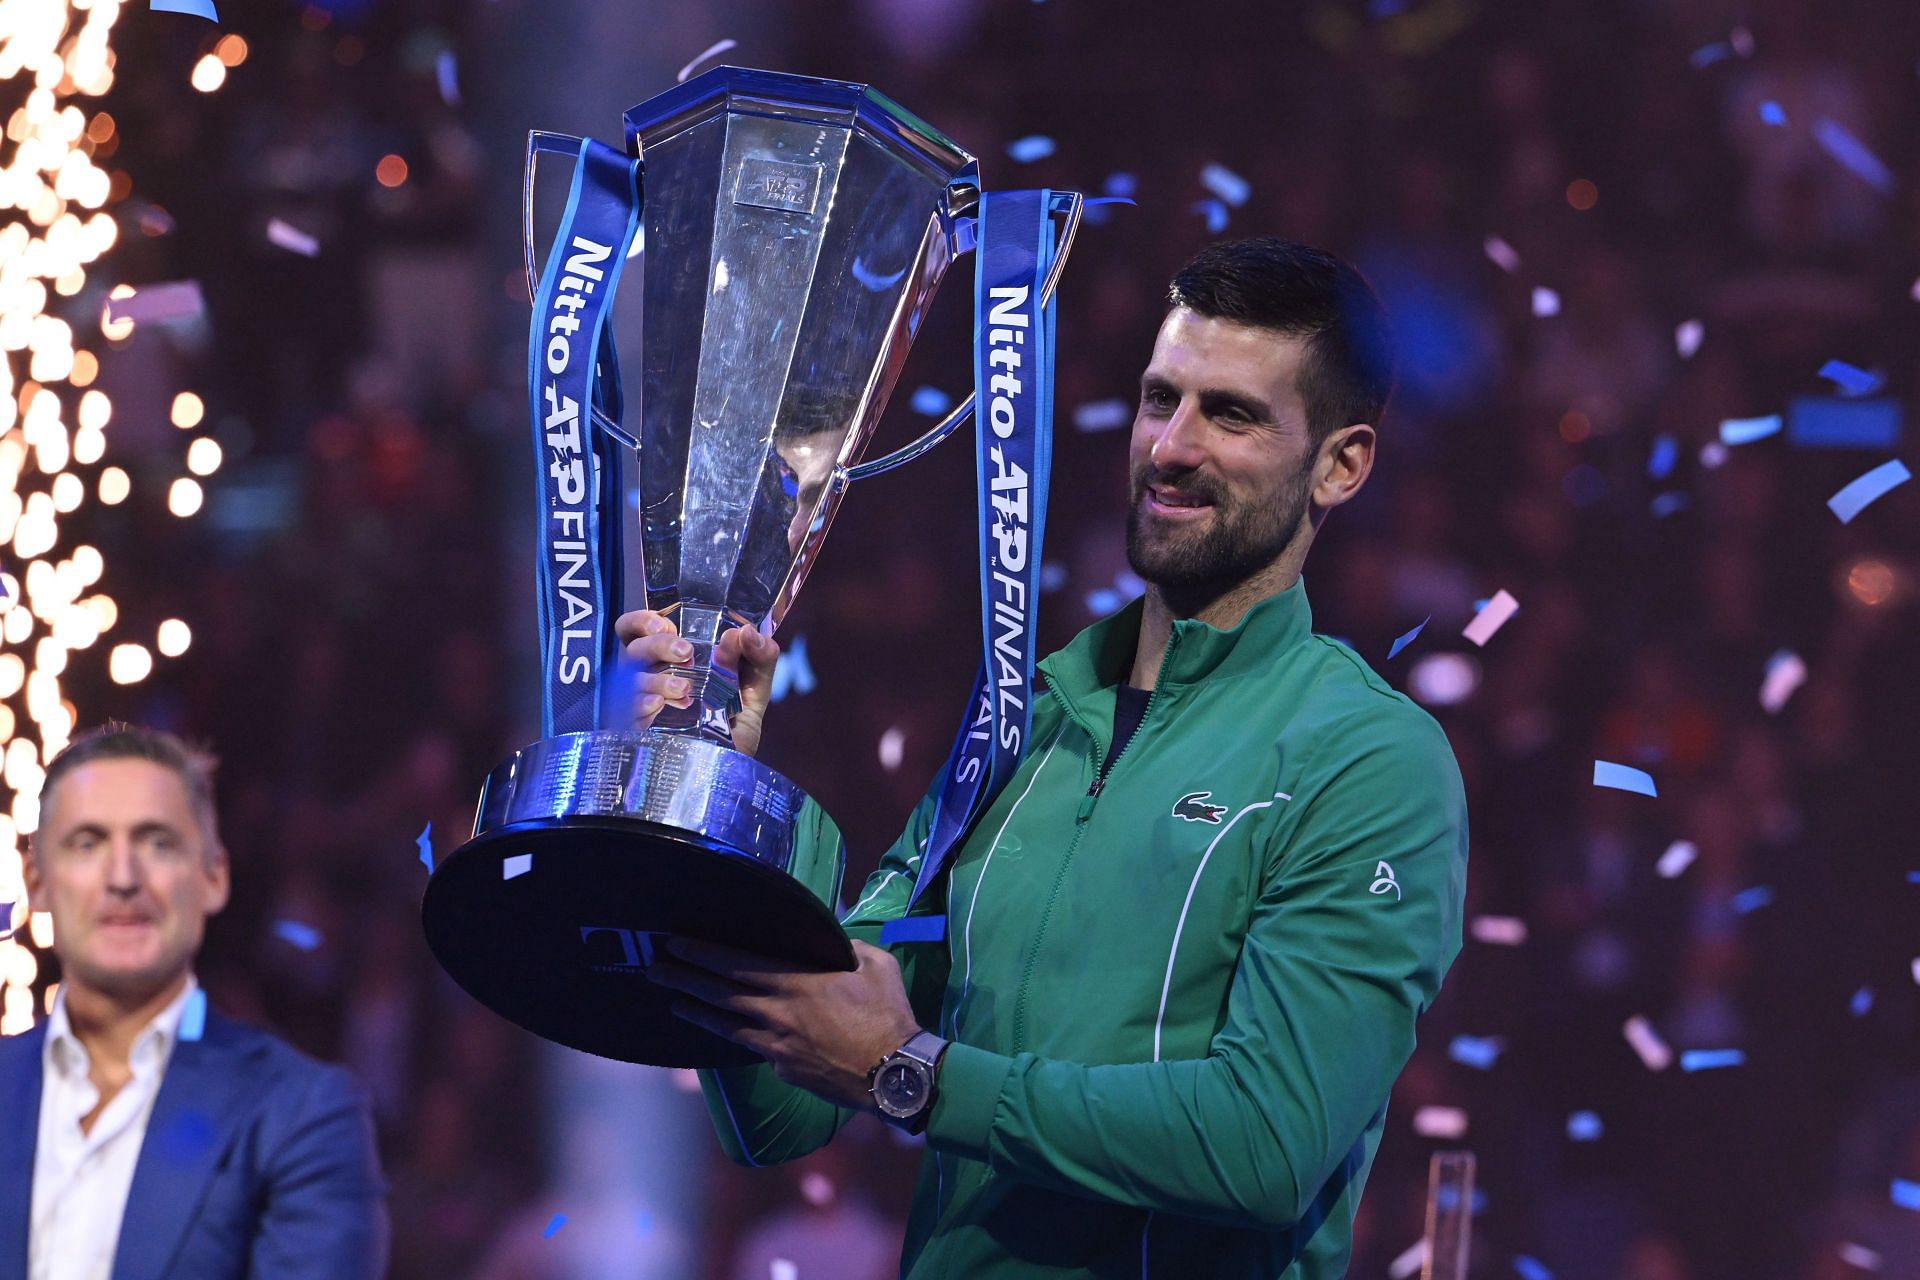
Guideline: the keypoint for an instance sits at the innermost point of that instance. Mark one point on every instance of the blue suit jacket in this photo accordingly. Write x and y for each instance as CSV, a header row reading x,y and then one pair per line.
x,y
258,1162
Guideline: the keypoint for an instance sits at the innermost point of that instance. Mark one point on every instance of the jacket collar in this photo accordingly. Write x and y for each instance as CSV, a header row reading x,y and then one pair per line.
x,y
1101,657
20,1075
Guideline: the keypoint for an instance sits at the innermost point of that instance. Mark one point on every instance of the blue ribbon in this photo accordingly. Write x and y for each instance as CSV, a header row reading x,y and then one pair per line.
x,y
1013,427
569,371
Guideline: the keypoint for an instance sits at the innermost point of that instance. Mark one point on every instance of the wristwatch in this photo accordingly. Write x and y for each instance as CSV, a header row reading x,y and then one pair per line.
x,y
903,1083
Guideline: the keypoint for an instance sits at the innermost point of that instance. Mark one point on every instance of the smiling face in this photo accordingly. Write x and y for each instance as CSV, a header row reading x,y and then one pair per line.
x,y
129,873
1221,463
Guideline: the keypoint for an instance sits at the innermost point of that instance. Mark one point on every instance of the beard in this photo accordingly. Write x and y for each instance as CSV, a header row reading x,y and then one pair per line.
x,y
1233,542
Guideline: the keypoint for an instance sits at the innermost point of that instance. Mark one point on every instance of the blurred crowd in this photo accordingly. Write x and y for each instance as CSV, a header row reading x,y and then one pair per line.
x,y
1598,227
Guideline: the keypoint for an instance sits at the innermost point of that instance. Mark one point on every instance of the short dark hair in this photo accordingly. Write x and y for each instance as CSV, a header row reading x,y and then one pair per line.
x,y
1302,292
116,740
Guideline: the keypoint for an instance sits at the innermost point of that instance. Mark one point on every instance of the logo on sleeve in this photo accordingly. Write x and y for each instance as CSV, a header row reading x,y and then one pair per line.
x,y
1193,807
1385,881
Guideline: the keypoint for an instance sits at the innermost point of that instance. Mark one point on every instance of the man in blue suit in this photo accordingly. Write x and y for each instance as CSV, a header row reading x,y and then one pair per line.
x,y
143,1136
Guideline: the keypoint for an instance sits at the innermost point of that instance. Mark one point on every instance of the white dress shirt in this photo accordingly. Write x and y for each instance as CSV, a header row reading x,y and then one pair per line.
x,y
80,1180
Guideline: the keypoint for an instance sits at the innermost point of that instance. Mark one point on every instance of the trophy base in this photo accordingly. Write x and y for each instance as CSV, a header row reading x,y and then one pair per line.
x,y
592,848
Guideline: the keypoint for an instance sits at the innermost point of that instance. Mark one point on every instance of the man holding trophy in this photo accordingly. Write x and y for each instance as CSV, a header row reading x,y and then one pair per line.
x,y
1149,955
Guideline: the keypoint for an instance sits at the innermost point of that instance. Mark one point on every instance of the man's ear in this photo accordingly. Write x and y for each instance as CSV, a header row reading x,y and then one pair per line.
x,y
219,878
30,870
1346,461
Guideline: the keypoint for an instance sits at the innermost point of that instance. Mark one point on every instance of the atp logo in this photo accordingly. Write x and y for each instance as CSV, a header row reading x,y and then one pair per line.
x,y
1193,807
1385,881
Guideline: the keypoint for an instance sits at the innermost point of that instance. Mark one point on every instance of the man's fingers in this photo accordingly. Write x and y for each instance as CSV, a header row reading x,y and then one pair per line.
x,y
721,1023
707,987
732,964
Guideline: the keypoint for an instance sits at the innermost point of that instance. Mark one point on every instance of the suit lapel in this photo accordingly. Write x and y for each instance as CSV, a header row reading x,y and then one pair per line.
x,y
19,1136
195,1121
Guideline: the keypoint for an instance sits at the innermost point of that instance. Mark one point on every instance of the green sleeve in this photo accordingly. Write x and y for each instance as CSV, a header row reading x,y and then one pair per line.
x,y
1319,1021
759,1118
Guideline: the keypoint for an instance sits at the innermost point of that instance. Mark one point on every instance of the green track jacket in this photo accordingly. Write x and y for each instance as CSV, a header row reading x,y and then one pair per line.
x,y
1177,1000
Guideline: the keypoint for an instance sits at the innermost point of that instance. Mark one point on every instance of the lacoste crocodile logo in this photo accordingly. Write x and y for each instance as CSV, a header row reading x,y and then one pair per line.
x,y
1193,807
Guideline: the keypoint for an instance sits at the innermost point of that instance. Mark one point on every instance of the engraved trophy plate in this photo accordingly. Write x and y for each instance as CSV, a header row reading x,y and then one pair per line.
x,y
795,230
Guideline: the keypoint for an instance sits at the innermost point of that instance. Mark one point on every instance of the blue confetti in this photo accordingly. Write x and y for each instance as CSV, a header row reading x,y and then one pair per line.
x,y
1852,380
6,919
193,1018
193,8
1584,1126
1622,778
1852,154
872,281
1906,1194
1216,215
1226,184
1532,1268
1710,1059
1749,900
1102,415
447,73
1708,54
1862,1001
294,933
1666,452
1913,877
1772,113
1378,9
792,673
1747,430
1856,496
1665,504
1053,576
424,841
559,1221
1474,1051
1103,601
1120,184
1028,149
1408,638
1095,201
931,401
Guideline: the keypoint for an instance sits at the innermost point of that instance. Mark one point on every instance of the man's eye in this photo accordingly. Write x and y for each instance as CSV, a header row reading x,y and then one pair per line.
x,y
1159,399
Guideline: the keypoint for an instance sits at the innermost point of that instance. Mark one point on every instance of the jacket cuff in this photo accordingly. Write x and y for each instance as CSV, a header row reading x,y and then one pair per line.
x,y
970,1083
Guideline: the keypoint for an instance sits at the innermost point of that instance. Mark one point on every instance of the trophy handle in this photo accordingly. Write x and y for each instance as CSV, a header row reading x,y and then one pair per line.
x,y
1069,205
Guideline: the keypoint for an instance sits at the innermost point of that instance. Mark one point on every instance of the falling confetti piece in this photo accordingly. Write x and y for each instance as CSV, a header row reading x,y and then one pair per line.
x,y
1226,184
424,842
1858,1255
1036,146
1660,462
1584,1126
1503,255
1665,504
1687,336
155,221
816,1189
1710,1059
193,1018
1491,618
290,237
1852,154
1785,673
1475,1051
1120,184
1096,201
1772,113
1053,576
1440,1122
1708,54
792,673
1742,41
1102,415
1678,857
446,73
1216,215
193,8
1906,1194
1735,431
931,401
1855,497
1916,969
1408,638
1623,778
1647,1043
715,50
1712,454
1545,301
893,746
781,1269
1851,379
559,1219
1531,1268
515,865
1750,900
872,281
159,303
6,919
1862,1002
1501,931
303,936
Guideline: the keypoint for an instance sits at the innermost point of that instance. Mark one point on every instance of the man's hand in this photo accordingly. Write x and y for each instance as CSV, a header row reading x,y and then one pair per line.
x,y
651,640
821,1031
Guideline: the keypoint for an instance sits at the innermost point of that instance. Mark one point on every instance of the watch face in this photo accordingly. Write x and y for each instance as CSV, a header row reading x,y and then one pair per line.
x,y
901,1087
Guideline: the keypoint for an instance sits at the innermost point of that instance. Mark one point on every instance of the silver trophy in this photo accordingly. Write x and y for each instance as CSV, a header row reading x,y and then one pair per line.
x,y
795,231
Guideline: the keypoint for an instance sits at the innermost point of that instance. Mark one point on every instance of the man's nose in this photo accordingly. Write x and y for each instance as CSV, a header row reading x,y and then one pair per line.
x,y
1179,447
123,869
